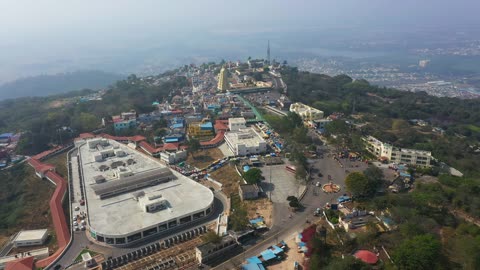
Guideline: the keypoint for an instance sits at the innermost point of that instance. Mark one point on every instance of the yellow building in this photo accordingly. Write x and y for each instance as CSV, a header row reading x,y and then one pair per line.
x,y
223,80
200,129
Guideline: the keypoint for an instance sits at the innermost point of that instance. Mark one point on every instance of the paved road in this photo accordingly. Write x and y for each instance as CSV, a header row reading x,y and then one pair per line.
x,y
285,227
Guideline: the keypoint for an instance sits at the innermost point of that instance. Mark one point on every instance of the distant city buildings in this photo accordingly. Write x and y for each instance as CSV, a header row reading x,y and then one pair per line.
x,y
388,152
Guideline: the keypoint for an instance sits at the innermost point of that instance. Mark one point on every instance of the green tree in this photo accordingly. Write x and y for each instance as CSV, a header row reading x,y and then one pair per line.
x,y
375,177
239,218
293,202
86,122
193,146
299,135
253,176
212,237
300,173
357,183
420,252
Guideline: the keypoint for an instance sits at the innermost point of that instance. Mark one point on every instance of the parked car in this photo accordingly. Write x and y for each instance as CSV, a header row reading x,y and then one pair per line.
x,y
343,199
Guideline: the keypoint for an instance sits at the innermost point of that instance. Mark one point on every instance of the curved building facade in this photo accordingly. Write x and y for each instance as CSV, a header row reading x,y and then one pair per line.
x,y
130,196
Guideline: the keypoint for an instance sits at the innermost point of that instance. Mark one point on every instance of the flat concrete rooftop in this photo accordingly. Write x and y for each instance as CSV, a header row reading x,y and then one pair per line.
x,y
30,235
247,136
122,214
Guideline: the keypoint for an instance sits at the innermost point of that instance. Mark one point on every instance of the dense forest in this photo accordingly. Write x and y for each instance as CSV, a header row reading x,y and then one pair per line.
x,y
44,85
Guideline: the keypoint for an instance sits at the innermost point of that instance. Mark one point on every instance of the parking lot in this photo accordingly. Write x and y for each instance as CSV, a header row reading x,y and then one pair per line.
x,y
283,183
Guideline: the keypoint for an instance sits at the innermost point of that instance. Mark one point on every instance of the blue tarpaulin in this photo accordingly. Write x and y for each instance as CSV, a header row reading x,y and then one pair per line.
x,y
268,255
254,259
277,250
253,266
255,221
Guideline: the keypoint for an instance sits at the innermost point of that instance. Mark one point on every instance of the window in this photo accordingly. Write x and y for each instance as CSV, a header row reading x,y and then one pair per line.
x,y
120,240
134,237
185,219
162,227
172,223
150,232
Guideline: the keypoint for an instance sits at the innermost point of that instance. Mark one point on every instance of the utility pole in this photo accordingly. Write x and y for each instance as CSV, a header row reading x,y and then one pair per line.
x,y
270,182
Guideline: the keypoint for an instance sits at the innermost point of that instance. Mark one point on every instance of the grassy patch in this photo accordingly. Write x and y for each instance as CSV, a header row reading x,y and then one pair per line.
x,y
24,200
228,176
85,250
204,157
474,128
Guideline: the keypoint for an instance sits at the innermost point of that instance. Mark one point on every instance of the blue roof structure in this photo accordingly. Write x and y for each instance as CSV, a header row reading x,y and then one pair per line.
x,y
254,259
343,199
256,220
268,255
246,168
404,174
170,140
177,125
253,266
6,135
207,125
277,250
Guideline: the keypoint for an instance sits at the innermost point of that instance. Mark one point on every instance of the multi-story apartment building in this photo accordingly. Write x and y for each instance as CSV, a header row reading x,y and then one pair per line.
x,y
397,155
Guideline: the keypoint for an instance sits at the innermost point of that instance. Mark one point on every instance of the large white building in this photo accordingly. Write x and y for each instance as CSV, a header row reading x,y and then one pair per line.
x,y
245,141
235,124
307,113
130,196
397,155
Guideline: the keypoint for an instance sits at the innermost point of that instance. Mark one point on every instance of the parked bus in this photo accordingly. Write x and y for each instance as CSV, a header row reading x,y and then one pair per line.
x,y
291,168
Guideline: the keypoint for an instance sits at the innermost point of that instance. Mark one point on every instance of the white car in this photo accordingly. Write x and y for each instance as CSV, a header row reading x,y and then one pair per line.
x,y
75,223
317,184
77,208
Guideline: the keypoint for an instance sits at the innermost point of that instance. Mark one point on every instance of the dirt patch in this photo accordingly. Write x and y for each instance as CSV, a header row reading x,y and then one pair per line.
x,y
261,207
57,104
204,157
228,177
291,256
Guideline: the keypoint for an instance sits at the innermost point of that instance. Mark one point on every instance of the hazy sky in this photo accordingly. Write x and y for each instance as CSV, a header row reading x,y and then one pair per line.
x,y
38,31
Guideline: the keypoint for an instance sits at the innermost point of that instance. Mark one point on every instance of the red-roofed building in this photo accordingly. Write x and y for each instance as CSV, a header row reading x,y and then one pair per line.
x,y
86,135
220,125
216,141
145,146
366,256
20,264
